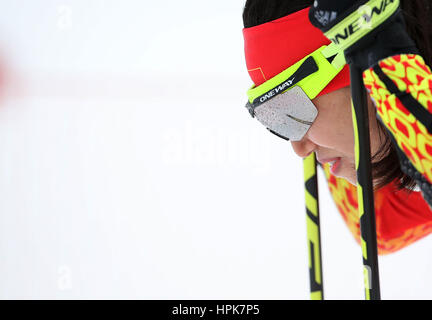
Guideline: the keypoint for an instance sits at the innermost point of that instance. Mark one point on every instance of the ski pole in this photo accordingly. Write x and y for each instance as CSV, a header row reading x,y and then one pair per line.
x,y
313,227
364,185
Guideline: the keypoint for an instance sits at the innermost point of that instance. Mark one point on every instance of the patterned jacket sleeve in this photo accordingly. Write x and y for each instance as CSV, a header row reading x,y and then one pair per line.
x,y
400,87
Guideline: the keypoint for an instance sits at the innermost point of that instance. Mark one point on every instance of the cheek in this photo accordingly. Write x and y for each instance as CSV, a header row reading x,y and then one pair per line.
x,y
333,128
377,133
320,134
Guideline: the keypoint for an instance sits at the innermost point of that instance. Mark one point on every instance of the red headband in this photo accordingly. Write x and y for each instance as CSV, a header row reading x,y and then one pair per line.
x,y
272,47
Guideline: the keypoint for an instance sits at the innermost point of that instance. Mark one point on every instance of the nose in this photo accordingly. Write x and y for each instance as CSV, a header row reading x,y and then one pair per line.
x,y
304,147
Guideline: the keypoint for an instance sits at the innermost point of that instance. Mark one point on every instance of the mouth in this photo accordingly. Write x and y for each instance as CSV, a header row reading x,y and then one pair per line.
x,y
334,164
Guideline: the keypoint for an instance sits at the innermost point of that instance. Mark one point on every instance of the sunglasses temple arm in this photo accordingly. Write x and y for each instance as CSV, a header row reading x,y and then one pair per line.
x,y
364,185
313,227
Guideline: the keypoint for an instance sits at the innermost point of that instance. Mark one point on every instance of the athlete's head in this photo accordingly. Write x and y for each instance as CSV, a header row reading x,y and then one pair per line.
x,y
331,135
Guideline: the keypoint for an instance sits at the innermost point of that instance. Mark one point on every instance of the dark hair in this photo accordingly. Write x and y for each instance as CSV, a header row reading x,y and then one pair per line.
x,y
417,13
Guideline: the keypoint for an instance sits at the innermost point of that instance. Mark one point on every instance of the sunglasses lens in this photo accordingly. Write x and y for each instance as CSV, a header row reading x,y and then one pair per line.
x,y
288,115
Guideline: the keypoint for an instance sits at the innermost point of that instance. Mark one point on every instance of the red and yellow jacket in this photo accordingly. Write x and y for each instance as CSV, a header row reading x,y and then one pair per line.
x,y
397,85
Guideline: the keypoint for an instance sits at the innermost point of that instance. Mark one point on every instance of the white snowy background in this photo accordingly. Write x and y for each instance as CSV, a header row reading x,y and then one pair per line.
x,y
130,169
